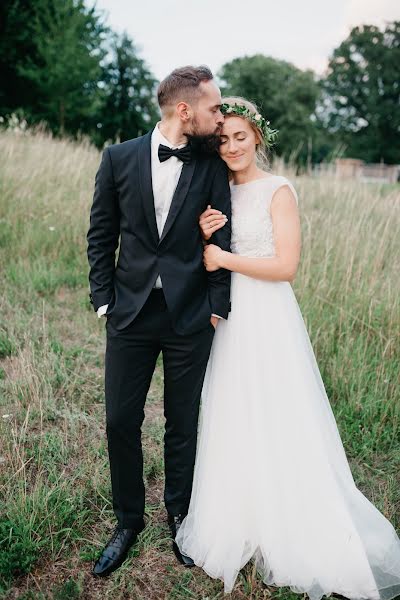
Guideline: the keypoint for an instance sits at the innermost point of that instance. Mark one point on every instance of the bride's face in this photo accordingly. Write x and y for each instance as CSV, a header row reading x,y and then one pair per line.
x,y
238,143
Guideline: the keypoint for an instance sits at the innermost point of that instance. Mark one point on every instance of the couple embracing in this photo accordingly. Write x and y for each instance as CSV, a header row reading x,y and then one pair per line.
x,y
209,242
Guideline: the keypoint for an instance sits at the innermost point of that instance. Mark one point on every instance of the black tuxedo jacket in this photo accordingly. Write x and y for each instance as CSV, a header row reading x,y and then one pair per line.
x,y
123,212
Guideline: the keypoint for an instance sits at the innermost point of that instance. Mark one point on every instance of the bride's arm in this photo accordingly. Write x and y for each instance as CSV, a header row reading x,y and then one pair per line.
x,y
287,238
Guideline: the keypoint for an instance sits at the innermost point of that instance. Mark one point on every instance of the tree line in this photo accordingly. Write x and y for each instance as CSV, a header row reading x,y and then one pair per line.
x,y
62,65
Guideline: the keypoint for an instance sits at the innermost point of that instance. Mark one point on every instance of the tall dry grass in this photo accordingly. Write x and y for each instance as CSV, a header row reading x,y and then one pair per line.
x,y
55,492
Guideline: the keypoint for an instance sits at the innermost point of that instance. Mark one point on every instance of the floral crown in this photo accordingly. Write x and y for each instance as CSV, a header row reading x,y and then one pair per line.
x,y
268,134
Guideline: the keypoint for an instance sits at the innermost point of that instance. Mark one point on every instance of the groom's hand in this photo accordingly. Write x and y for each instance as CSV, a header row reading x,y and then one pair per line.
x,y
214,321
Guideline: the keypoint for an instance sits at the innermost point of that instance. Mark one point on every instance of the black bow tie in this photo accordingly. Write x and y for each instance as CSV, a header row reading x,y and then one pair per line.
x,y
184,154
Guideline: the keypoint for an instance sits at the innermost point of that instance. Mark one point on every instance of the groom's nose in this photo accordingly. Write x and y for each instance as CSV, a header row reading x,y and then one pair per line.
x,y
220,118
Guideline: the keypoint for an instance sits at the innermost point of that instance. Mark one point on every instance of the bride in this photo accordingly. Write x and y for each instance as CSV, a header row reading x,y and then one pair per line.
x,y
272,482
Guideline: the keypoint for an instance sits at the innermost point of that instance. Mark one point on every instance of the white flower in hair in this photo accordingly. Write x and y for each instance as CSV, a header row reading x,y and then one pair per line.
x,y
257,117
229,110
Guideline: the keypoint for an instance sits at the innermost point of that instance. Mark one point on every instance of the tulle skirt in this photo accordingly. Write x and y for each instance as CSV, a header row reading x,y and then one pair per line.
x,y
272,481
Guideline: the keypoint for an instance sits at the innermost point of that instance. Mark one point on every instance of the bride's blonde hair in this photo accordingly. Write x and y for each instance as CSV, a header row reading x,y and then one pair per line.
x,y
261,150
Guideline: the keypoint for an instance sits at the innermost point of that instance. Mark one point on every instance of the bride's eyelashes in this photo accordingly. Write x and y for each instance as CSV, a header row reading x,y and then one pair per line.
x,y
241,139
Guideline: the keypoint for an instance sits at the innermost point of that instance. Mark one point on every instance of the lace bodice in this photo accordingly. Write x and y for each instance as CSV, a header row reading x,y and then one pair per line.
x,y
252,231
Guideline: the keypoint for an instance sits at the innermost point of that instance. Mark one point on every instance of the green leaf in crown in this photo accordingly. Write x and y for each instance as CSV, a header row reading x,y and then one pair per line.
x,y
269,134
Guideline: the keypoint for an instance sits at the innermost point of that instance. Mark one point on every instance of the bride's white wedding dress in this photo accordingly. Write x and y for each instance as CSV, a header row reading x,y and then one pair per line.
x,y
271,478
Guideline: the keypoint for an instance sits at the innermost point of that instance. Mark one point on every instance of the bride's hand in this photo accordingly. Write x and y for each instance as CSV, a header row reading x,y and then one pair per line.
x,y
210,221
212,257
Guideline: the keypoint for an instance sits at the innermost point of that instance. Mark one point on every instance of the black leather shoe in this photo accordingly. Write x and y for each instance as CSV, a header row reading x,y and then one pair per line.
x,y
115,551
174,524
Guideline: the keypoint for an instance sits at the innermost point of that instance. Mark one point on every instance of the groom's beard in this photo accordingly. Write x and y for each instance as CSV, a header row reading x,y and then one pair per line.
x,y
204,143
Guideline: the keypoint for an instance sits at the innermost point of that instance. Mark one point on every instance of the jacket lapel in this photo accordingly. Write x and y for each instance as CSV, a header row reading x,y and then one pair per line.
x,y
146,187
179,196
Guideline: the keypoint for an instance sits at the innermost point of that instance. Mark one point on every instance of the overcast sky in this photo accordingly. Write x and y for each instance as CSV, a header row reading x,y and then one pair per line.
x,y
172,33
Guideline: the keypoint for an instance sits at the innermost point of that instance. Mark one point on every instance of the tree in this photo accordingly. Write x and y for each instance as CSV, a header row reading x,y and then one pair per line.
x,y
53,52
16,43
363,88
285,95
128,107
68,39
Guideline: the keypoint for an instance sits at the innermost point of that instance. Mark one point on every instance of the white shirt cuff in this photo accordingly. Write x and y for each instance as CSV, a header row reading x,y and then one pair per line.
x,y
102,310
218,317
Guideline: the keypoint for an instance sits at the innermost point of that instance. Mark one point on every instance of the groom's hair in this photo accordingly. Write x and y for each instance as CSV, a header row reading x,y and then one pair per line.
x,y
182,85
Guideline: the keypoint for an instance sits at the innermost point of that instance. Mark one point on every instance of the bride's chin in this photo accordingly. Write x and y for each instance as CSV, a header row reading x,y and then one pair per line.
x,y
235,167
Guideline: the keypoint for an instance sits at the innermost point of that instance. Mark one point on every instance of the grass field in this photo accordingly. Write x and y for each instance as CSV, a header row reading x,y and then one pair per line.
x,y
55,491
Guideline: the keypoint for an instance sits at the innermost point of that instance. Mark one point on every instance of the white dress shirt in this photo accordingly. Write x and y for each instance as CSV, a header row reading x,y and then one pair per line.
x,y
165,176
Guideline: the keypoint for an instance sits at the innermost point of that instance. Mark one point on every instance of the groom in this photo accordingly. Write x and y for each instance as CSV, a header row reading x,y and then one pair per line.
x,y
149,194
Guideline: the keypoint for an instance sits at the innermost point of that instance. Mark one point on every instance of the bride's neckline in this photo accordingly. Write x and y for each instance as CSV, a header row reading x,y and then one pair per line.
x,y
253,180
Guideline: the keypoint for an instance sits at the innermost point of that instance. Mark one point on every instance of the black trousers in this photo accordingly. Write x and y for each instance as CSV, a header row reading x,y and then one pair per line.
x,y
131,356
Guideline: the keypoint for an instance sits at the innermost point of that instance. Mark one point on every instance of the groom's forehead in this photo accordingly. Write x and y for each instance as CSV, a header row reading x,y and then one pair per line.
x,y
210,92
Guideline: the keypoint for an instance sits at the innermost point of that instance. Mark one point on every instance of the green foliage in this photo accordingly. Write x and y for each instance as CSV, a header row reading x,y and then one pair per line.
x,y
18,550
29,524
128,108
44,278
181,591
363,92
69,47
62,66
6,233
6,345
69,590
16,42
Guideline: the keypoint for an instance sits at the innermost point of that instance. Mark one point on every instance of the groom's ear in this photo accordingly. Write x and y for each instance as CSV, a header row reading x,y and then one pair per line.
x,y
184,111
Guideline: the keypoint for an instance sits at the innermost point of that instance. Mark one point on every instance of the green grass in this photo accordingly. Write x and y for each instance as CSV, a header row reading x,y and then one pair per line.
x,y
55,505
